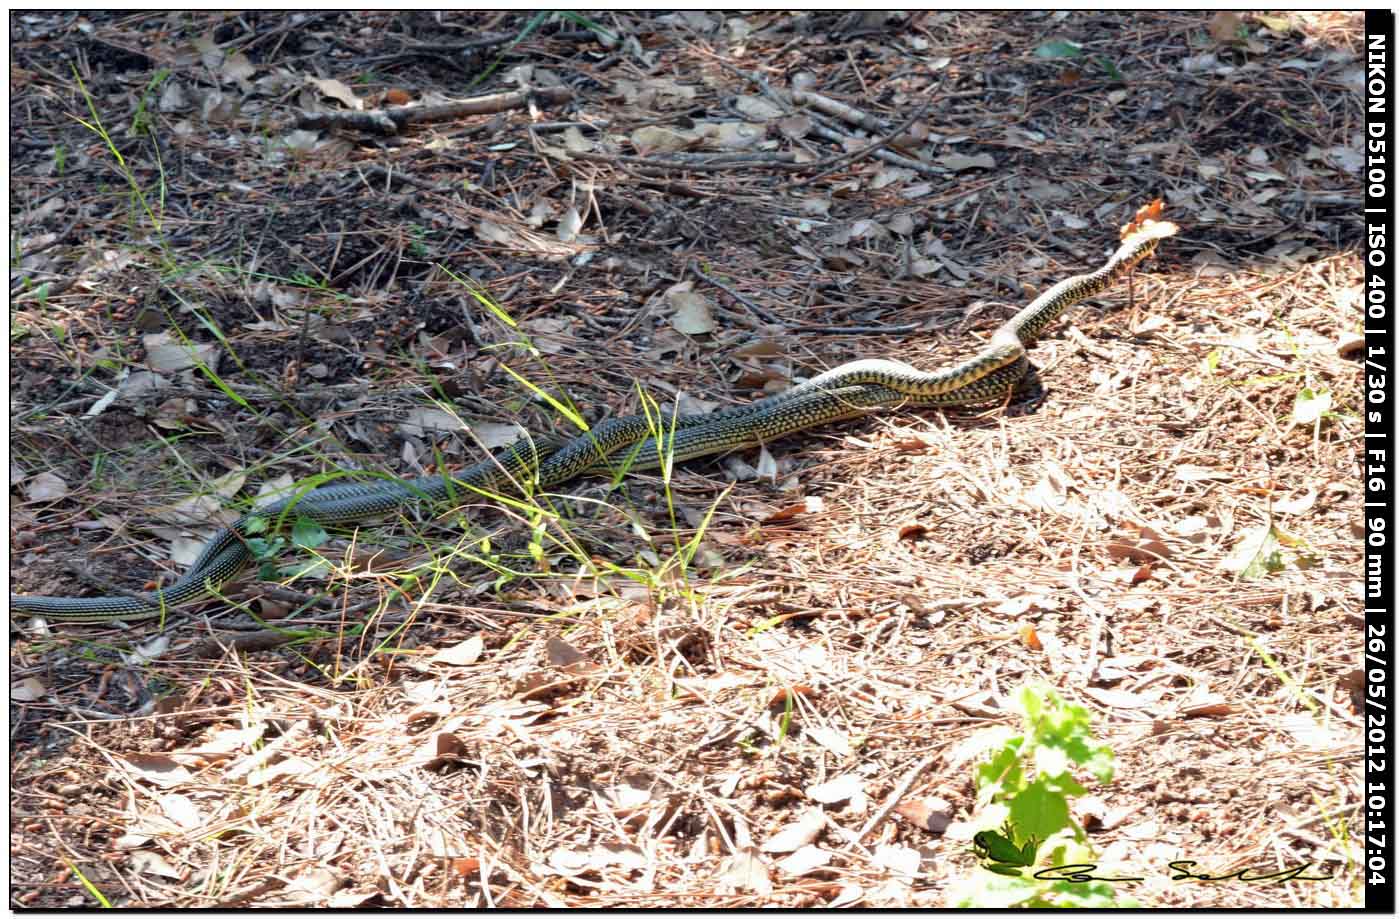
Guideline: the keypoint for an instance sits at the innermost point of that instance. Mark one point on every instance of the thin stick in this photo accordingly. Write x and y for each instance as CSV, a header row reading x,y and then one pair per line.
x,y
859,329
839,161
752,307
893,800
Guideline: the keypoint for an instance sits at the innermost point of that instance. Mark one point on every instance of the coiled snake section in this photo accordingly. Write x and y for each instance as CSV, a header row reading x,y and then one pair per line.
x,y
630,443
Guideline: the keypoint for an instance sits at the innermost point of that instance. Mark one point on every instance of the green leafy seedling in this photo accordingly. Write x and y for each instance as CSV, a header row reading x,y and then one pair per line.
x,y
1063,48
265,552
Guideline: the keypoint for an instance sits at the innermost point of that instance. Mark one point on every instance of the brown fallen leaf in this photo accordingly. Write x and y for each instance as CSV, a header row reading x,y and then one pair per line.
x,y
561,654
339,92
912,532
745,870
786,694
28,689
313,885
809,505
1226,27
799,833
145,861
931,814
46,486
690,310
1142,545
1119,698
540,685
1211,705
157,768
763,347
445,744
841,788
460,654
805,860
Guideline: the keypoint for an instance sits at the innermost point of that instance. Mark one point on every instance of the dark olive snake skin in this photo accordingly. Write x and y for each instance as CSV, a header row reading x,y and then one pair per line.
x,y
843,392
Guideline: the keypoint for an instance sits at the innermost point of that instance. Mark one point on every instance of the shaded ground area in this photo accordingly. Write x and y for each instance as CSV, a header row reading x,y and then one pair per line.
x,y
222,283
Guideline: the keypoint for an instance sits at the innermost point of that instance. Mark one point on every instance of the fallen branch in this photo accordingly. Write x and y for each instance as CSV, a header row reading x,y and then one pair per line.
x,y
836,109
904,329
698,162
824,105
892,801
880,154
391,120
836,162
751,306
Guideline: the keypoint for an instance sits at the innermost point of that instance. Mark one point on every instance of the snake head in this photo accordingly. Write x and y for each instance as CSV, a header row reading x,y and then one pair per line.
x,y
1141,235
1141,242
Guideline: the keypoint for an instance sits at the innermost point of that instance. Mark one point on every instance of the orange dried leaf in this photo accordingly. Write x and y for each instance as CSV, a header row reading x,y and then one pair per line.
x,y
448,745
781,696
784,514
912,445
913,531
465,867
812,504
1210,705
1149,212
1226,27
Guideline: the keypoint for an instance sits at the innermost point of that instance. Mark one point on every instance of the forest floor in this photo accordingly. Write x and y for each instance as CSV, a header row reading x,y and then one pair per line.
x,y
232,271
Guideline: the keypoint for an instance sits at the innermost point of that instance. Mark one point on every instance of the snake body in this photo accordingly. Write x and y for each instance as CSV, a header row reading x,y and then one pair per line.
x,y
843,392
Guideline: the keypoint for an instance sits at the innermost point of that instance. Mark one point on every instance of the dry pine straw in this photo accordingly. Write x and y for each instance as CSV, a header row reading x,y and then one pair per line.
x,y
612,745
619,725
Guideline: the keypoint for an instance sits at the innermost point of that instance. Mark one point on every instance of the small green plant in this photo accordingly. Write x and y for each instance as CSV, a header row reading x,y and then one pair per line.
x,y
1063,48
302,279
535,22
1312,404
141,122
785,723
1023,824
1259,552
91,888
60,159
138,194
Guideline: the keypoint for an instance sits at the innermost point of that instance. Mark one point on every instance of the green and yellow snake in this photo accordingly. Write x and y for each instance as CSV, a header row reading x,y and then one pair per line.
x,y
837,394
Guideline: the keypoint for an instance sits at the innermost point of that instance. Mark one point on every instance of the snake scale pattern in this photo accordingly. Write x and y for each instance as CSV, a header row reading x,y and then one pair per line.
x,y
629,443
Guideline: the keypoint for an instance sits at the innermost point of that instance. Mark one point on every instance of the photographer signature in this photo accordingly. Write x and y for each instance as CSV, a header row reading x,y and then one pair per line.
x,y
1181,871
1000,853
